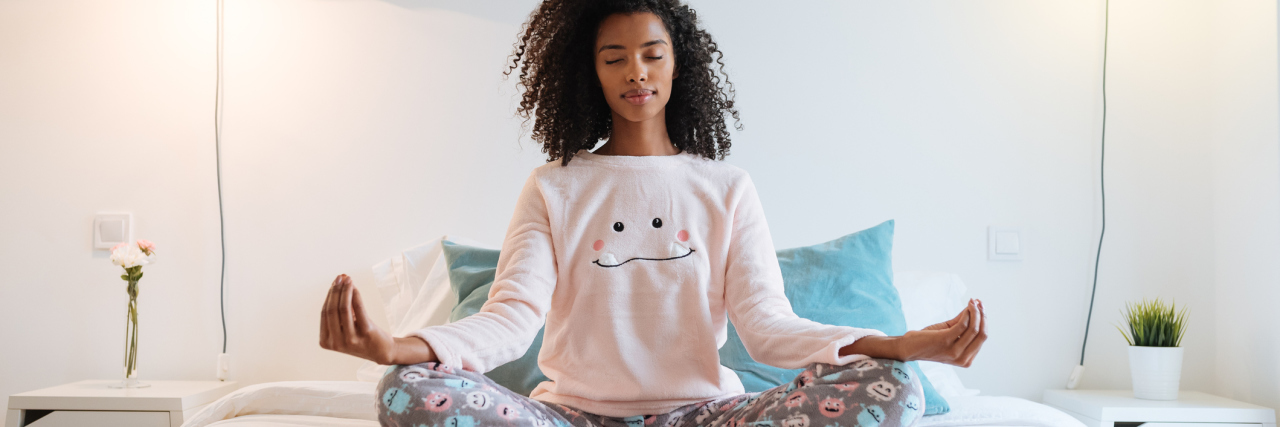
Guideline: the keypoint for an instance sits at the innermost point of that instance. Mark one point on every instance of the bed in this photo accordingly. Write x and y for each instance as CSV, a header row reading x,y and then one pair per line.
x,y
415,293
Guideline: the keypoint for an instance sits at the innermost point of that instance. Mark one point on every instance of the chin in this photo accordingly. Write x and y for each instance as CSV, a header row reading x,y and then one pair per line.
x,y
633,114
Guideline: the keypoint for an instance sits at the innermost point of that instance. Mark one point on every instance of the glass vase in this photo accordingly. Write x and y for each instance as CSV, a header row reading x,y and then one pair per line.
x,y
131,343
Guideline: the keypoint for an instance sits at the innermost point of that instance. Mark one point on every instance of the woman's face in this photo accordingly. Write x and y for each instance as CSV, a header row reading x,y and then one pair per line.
x,y
635,63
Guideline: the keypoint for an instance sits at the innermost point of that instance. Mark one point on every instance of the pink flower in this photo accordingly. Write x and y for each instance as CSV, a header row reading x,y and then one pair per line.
x,y
114,248
146,246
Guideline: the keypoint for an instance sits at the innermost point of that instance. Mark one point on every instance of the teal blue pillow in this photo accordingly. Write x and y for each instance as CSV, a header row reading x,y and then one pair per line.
x,y
471,272
847,282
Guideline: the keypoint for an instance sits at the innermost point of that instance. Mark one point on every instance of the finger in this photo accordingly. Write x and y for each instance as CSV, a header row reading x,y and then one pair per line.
x,y
357,305
977,316
971,330
331,313
324,323
344,309
957,329
971,352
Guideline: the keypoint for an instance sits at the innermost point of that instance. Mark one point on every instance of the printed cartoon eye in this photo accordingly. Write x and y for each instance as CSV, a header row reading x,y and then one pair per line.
x,y
657,223
617,226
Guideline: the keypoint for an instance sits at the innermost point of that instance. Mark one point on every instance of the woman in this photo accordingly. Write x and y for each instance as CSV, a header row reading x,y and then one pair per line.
x,y
633,255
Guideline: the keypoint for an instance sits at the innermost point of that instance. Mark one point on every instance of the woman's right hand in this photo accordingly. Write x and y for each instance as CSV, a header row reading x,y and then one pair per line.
x,y
345,328
954,342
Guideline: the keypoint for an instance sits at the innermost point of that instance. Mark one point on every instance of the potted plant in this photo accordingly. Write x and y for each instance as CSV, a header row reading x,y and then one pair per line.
x,y
1155,359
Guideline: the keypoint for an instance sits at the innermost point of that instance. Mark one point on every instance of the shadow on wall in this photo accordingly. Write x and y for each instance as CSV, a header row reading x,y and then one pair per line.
x,y
512,12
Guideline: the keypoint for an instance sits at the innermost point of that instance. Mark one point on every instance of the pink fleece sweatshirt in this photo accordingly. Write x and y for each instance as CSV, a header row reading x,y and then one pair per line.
x,y
634,262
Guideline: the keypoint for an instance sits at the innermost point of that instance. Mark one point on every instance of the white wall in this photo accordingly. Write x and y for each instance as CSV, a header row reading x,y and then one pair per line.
x,y
1246,215
354,129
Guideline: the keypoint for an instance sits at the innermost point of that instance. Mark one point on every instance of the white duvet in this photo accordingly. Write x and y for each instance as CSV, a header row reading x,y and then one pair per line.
x,y
351,404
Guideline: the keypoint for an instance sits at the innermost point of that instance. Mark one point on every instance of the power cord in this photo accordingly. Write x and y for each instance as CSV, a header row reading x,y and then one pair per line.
x,y
1078,372
224,360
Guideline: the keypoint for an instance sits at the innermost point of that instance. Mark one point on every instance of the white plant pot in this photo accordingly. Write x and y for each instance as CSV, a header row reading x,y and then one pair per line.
x,y
1156,372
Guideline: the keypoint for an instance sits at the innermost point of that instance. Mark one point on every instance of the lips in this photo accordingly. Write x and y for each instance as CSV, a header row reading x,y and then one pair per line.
x,y
639,96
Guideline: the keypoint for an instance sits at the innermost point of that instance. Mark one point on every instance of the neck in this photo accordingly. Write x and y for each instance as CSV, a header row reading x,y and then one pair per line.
x,y
644,138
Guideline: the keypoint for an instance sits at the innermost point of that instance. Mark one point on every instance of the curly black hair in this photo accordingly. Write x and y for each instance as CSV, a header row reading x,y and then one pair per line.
x,y
561,90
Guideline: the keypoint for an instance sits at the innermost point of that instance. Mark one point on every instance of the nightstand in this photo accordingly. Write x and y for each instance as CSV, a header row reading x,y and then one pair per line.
x,y
1118,408
164,404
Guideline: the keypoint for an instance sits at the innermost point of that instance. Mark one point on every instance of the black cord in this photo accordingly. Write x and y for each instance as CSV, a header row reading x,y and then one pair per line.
x,y
217,144
1102,166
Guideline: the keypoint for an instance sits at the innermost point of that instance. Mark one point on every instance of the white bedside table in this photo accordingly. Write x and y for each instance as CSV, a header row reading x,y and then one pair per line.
x,y
84,403
1118,408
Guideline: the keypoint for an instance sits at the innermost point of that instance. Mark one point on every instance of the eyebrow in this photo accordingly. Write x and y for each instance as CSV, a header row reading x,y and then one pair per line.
x,y
618,46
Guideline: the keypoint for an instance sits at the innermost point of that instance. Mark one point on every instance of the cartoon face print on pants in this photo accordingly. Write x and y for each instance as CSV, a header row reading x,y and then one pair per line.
x,y
795,400
479,400
798,420
804,379
901,372
831,407
846,387
437,402
414,374
654,234
440,367
871,416
459,383
909,409
396,399
460,421
508,412
882,390
865,365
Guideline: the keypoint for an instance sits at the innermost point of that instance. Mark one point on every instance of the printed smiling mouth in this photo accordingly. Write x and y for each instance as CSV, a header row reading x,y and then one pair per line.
x,y
597,262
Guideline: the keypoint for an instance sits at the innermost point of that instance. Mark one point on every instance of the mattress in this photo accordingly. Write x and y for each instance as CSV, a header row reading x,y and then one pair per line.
x,y
350,404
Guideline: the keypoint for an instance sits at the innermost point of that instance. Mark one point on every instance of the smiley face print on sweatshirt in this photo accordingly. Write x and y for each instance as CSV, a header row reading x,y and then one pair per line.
x,y
663,242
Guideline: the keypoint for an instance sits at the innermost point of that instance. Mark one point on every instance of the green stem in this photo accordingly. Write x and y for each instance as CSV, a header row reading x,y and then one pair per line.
x,y
131,332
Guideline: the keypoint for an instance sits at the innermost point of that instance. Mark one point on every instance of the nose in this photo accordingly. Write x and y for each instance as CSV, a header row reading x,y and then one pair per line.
x,y
637,73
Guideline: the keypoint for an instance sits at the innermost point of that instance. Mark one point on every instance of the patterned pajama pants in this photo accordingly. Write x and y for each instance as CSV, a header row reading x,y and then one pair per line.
x,y
867,393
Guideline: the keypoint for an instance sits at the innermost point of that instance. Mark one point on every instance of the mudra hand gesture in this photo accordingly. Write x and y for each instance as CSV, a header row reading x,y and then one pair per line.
x,y
954,342
346,328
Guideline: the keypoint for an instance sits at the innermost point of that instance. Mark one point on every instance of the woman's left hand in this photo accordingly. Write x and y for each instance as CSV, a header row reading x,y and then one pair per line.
x,y
954,342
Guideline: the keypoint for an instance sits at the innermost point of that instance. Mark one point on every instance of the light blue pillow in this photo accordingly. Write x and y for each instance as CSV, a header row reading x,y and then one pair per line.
x,y
471,272
847,282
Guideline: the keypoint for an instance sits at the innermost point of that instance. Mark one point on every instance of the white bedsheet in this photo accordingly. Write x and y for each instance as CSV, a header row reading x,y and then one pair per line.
x,y
998,411
351,404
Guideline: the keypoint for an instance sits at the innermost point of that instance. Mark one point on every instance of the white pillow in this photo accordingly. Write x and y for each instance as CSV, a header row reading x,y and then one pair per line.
x,y
415,292
929,298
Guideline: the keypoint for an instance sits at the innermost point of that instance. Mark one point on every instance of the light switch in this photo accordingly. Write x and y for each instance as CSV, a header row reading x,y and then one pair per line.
x,y
110,229
1004,244
1007,242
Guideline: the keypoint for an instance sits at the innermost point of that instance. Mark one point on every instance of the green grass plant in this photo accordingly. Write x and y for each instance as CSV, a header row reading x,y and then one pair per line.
x,y
1154,324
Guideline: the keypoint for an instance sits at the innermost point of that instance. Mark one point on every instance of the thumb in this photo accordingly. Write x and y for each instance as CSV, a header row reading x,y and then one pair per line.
x,y
361,319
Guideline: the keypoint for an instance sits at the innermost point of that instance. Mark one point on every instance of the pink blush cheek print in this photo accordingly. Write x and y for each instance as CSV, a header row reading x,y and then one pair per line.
x,y
598,245
683,236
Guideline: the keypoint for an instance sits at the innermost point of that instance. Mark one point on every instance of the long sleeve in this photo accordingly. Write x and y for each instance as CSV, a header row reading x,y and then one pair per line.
x,y
518,301
757,305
